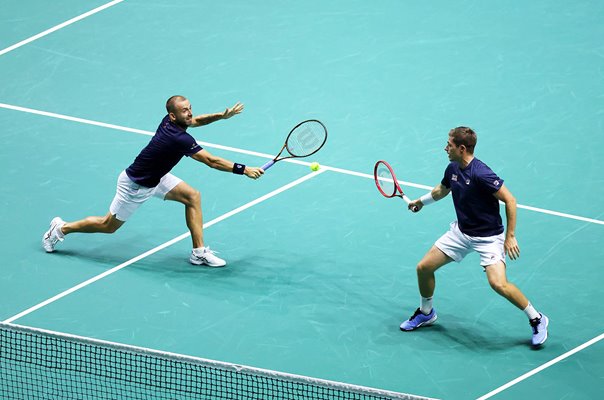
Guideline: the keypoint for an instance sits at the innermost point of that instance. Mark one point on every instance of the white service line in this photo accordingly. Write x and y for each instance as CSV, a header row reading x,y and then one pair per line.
x,y
57,27
542,367
270,156
163,246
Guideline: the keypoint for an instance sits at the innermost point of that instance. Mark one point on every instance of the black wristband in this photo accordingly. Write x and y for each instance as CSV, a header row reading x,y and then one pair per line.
x,y
238,169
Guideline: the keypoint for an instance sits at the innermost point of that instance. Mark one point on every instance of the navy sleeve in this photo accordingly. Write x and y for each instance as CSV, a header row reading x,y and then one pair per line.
x,y
446,182
188,145
489,180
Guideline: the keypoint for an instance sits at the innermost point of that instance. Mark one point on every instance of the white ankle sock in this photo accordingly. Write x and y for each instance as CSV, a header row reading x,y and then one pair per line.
x,y
426,305
530,312
198,251
59,232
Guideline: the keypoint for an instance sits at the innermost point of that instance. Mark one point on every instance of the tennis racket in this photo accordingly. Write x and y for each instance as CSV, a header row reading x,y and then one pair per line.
x,y
304,139
386,182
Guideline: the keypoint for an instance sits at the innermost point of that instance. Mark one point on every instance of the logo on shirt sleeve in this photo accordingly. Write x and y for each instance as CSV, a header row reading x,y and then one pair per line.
x,y
454,178
496,183
194,146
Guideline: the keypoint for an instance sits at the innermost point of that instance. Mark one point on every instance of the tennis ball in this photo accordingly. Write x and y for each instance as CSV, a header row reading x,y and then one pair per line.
x,y
315,166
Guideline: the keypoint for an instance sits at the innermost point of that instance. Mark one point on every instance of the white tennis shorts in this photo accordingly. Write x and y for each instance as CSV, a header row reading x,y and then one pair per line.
x,y
129,196
457,245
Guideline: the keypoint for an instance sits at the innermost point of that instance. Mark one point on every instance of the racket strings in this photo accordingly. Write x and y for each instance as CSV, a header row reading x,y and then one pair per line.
x,y
306,139
385,179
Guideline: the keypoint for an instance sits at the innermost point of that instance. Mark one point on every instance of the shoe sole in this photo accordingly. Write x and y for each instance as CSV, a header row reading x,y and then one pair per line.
x,y
208,265
545,338
428,322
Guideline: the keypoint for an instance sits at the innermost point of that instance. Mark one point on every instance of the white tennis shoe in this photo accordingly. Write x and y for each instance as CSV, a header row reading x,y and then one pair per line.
x,y
539,326
207,257
51,237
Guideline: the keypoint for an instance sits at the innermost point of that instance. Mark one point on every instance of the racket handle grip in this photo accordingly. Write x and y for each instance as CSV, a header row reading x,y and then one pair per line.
x,y
268,165
408,200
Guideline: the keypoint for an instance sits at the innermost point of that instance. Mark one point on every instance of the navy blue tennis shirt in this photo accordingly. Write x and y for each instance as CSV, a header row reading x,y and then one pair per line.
x,y
169,144
473,188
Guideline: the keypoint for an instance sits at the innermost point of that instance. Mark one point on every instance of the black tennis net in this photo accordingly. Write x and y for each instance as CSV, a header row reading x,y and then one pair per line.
x,y
41,364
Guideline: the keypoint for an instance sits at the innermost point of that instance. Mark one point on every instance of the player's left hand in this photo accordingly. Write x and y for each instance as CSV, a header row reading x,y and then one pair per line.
x,y
229,112
510,246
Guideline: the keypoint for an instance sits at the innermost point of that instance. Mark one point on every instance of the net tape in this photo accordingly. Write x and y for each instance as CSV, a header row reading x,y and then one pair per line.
x,y
42,364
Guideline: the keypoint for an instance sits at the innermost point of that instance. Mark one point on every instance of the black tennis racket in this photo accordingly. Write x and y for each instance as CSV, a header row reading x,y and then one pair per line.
x,y
386,182
304,139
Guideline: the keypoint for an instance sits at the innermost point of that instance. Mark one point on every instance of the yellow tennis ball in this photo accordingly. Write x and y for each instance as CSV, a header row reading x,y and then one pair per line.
x,y
315,166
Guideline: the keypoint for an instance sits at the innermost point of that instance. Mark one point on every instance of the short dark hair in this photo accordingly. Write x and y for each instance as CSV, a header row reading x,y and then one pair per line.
x,y
464,135
170,104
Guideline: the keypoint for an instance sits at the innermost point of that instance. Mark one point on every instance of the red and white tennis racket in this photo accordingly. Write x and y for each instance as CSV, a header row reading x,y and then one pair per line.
x,y
386,182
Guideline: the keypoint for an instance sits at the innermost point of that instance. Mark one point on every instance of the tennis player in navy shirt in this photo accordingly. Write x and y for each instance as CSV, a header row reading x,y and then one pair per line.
x,y
476,191
149,176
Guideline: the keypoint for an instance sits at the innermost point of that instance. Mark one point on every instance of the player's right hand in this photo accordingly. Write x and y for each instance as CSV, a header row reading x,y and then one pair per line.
x,y
510,247
415,205
253,172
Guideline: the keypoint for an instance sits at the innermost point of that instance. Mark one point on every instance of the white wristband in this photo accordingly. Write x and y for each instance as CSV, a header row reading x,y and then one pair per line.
x,y
427,199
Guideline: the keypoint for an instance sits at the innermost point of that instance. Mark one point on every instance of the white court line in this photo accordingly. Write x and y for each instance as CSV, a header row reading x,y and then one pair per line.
x,y
541,368
269,156
57,27
559,214
163,246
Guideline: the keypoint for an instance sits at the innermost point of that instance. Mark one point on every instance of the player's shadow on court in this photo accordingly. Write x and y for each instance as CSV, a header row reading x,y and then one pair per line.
x,y
108,258
474,336
453,331
171,263
263,271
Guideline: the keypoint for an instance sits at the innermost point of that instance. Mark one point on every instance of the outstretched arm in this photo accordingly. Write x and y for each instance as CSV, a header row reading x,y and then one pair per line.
x,y
205,119
510,245
437,193
222,164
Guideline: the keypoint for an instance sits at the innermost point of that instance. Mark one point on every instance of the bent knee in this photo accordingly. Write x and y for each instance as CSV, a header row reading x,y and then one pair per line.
x,y
196,196
111,228
192,197
110,225
424,268
499,286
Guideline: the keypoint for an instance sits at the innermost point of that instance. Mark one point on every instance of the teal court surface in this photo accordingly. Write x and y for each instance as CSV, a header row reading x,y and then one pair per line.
x,y
321,268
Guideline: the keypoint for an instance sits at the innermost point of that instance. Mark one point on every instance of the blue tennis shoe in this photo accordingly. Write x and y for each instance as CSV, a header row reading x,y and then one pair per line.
x,y
418,319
